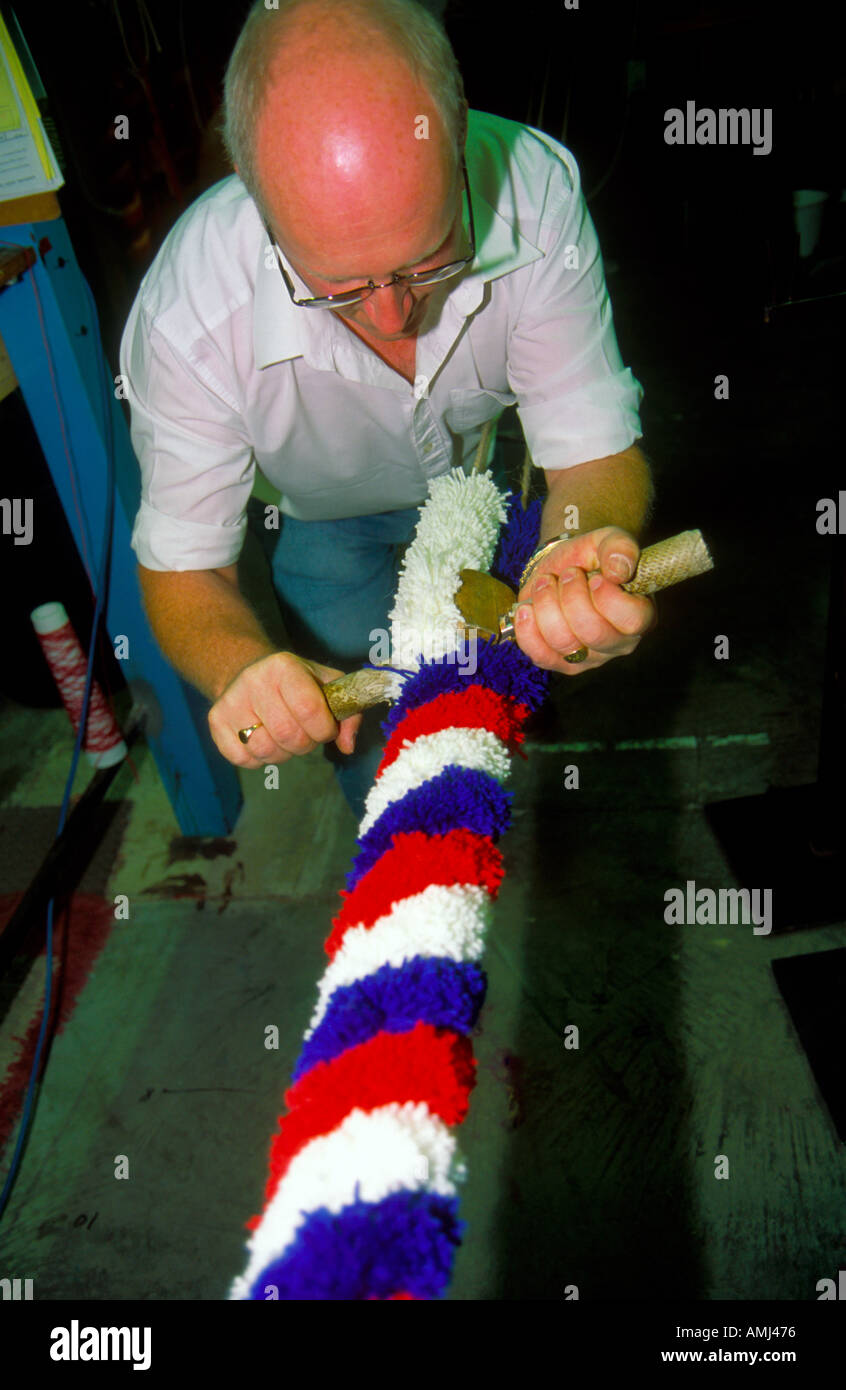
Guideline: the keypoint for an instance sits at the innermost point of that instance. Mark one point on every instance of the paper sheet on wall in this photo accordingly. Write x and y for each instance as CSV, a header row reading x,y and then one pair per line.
x,y
27,162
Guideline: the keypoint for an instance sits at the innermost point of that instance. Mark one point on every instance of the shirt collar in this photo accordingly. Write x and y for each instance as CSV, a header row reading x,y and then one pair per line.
x,y
282,331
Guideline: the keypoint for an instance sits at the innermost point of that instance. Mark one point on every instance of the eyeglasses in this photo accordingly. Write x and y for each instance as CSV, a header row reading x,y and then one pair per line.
x,y
416,277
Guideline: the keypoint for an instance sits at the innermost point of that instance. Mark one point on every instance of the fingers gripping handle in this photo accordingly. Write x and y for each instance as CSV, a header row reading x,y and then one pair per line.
x,y
660,566
356,692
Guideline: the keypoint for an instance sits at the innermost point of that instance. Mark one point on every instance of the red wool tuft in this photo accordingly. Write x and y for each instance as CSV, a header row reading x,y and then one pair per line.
x,y
430,1064
413,862
473,708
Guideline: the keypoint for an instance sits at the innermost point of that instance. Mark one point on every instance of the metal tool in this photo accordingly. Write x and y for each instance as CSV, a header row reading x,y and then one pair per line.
x,y
660,566
487,607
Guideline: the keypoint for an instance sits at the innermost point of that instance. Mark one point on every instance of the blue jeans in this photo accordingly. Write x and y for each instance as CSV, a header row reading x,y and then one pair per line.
x,y
335,581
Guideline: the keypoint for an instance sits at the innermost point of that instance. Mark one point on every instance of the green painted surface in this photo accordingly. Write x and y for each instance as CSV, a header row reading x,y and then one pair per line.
x,y
591,1166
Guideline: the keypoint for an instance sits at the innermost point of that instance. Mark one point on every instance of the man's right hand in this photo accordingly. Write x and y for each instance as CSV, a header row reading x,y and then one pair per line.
x,y
282,692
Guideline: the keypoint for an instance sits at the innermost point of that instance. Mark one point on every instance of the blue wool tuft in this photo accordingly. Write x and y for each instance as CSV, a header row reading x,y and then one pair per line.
x,y
503,668
518,538
403,1244
428,989
459,797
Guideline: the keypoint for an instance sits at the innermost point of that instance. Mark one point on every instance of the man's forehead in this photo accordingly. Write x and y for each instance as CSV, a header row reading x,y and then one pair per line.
x,y
372,97
361,276
340,242
375,127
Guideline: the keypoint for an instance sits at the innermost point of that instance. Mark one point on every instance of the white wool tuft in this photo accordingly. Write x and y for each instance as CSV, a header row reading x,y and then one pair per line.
x,y
394,1148
458,529
426,757
446,920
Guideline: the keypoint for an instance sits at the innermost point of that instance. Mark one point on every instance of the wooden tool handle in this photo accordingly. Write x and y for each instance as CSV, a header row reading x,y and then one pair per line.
x,y
356,692
668,562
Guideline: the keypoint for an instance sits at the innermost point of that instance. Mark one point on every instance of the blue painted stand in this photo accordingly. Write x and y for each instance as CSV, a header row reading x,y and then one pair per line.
x,y
203,787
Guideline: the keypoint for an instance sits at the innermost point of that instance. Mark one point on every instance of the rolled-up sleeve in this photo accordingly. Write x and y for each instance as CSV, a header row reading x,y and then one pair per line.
x,y
575,399
197,465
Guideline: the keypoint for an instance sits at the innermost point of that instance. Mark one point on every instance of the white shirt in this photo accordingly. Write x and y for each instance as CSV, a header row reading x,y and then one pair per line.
x,y
222,370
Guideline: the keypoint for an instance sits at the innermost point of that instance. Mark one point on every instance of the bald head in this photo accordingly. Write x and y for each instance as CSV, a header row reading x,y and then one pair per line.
x,y
352,191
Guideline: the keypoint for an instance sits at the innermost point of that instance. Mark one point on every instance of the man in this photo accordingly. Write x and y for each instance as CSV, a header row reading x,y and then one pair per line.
x,y
347,123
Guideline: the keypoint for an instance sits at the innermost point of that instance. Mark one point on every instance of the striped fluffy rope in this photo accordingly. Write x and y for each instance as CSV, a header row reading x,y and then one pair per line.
x,y
362,1196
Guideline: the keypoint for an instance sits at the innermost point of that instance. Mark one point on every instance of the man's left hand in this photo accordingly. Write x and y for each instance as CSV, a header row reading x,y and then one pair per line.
x,y
561,609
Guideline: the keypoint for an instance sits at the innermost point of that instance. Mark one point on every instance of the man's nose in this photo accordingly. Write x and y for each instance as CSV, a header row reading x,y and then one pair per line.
x,y
389,308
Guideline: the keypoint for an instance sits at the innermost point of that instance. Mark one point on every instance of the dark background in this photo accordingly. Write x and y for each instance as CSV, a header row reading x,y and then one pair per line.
x,y
699,245
599,78
697,240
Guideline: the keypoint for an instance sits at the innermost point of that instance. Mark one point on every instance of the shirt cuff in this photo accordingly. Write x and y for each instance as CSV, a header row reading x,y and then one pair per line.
x,y
169,543
593,423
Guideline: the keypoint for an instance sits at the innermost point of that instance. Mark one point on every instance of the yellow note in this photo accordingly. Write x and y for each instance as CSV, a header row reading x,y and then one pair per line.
x,y
27,100
10,117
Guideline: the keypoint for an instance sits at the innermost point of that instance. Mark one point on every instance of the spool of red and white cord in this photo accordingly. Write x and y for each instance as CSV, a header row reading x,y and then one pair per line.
x,y
104,745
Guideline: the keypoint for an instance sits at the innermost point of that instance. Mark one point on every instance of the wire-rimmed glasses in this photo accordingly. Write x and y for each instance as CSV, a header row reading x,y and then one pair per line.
x,y
416,277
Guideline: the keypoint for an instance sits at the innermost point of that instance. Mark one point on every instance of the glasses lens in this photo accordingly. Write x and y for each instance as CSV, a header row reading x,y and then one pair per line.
x,y
349,296
336,300
431,277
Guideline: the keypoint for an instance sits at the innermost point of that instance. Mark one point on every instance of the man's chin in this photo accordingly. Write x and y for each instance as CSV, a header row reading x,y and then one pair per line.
x,y
410,326
400,337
